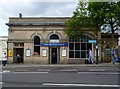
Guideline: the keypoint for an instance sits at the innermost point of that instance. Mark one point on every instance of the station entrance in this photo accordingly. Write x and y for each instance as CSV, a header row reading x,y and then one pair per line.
x,y
54,55
18,51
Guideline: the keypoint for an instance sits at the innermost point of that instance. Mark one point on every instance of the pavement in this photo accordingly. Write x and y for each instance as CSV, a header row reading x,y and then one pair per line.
x,y
62,67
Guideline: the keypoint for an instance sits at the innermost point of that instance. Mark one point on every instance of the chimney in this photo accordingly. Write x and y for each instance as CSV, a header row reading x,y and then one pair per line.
x,y
20,15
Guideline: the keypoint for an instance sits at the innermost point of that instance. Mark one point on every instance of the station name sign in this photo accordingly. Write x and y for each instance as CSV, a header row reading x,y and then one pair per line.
x,y
92,41
54,44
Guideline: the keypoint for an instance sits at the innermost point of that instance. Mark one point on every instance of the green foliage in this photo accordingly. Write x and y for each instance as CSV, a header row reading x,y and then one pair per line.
x,y
73,30
77,22
106,14
94,15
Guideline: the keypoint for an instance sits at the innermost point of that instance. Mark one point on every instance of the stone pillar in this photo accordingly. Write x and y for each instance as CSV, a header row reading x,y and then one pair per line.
x,y
10,58
64,59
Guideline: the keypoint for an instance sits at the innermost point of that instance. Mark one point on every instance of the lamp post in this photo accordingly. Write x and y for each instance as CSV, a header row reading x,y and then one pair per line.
x,y
96,47
96,53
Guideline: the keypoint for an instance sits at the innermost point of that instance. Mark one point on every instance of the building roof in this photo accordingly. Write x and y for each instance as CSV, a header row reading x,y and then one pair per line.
x,y
35,23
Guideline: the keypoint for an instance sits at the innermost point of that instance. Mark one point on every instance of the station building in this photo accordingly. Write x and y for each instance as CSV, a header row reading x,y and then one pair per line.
x,y
36,39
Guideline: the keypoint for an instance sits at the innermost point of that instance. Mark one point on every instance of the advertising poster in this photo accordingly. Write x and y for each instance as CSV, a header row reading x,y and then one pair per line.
x,y
27,52
64,53
44,52
10,52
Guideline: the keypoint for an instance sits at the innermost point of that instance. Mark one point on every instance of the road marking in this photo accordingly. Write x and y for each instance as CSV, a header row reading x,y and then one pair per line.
x,y
5,71
32,72
20,70
1,83
43,70
102,73
69,70
96,70
80,85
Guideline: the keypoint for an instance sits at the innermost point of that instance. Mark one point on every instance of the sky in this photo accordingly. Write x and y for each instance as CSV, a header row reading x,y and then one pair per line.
x,y
34,8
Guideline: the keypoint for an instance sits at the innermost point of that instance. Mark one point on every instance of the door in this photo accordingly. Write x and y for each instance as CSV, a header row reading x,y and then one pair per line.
x,y
54,55
19,51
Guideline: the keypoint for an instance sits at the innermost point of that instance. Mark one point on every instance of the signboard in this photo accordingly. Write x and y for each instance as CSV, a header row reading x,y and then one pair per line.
x,y
10,53
54,41
92,41
44,52
27,52
64,52
54,44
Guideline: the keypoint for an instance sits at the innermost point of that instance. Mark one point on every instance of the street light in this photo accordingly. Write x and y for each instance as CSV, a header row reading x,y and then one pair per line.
x,y
96,47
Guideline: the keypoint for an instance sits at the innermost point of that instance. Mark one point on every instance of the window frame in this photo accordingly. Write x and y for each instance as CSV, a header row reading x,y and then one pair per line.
x,y
81,41
36,52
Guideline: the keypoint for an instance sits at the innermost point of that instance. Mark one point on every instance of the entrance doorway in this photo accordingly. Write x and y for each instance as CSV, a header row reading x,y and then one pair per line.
x,y
19,51
54,55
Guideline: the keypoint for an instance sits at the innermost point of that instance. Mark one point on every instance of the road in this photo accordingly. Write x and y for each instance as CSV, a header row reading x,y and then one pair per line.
x,y
62,78
102,76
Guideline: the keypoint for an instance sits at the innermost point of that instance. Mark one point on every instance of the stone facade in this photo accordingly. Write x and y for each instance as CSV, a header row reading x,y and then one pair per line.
x,y
107,47
21,40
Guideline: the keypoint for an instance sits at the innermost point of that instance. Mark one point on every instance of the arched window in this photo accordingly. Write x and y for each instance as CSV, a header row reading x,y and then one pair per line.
x,y
79,48
54,36
36,45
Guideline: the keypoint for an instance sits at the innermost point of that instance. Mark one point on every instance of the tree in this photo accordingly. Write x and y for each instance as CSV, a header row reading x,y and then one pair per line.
x,y
107,15
75,23
94,14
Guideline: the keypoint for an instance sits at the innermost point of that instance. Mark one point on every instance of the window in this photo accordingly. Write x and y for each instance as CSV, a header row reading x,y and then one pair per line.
x,y
79,48
77,54
71,46
71,54
19,44
16,44
54,36
36,45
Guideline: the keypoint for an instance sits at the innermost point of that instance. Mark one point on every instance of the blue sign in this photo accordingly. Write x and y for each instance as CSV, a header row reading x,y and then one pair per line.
x,y
91,41
54,44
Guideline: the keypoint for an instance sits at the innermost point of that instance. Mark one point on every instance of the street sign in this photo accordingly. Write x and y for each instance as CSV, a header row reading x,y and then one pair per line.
x,y
92,41
54,41
54,44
